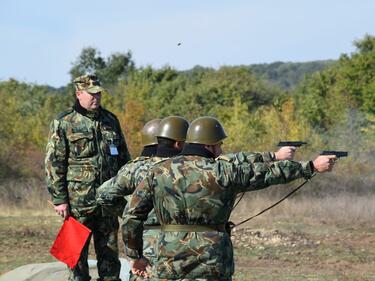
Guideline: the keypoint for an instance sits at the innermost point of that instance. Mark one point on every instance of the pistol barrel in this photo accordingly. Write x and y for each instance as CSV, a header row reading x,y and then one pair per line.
x,y
338,154
291,143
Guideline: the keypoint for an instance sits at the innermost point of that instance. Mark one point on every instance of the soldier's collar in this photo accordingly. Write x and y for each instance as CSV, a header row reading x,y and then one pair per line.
x,y
196,149
90,114
149,150
166,152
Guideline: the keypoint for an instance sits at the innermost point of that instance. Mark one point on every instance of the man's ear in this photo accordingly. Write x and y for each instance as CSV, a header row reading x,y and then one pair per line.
x,y
179,145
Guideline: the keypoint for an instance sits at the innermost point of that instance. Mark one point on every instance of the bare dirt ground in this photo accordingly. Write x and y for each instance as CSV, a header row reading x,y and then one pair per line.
x,y
272,250
325,238
318,252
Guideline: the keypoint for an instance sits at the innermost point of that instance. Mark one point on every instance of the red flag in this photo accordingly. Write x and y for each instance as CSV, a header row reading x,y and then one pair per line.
x,y
70,241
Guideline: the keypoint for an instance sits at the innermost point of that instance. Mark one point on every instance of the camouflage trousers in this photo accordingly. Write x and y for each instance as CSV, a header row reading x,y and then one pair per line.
x,y
104,231
150,238
150,246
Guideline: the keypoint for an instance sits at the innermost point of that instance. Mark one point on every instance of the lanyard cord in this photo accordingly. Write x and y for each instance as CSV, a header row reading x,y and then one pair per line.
x,y
273,205
238,201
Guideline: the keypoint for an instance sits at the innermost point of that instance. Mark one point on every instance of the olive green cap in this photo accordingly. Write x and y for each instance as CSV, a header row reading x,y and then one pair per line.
x,y
205,130
89,83
173,127
148,132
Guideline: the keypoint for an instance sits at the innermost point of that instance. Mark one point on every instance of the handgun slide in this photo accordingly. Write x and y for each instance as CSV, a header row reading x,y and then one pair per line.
x,y
334,152
291,143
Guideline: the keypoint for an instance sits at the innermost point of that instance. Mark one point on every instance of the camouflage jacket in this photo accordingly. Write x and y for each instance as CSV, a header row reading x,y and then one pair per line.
x,y
152,218
112,195
198,190
81,155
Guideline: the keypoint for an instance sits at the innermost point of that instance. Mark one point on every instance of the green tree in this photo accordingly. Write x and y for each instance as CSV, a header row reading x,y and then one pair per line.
x,y
109,70
325,97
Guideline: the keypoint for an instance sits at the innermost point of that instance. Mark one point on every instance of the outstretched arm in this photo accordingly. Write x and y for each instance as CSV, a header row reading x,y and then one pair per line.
x,y
247,175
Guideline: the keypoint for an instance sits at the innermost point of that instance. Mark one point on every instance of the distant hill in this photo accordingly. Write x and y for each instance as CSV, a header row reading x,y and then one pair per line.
x,y
288,75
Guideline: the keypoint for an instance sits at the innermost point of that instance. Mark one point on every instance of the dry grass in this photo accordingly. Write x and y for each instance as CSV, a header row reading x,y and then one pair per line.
x,y
20,197
30,197
344,209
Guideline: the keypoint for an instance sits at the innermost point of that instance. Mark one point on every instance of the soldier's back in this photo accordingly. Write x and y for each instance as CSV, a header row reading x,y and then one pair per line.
x,y
190,191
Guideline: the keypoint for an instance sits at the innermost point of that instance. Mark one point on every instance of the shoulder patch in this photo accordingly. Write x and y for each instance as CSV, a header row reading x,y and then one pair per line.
x,y
224,157
64,113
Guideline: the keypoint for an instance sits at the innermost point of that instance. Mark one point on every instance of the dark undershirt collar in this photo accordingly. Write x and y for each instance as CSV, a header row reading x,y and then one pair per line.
x,y
90,114
166,152
149,150
196,149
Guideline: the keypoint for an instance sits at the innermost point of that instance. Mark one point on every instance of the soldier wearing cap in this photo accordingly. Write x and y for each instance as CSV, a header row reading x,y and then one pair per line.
x,y
85,148
193,195
161,139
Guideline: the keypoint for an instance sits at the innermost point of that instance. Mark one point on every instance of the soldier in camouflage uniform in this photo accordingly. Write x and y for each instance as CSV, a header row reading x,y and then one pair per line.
x,y
160,141
85,148
193,195
112,195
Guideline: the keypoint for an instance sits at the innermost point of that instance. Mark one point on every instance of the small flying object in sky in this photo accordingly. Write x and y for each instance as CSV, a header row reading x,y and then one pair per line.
x,y
179,44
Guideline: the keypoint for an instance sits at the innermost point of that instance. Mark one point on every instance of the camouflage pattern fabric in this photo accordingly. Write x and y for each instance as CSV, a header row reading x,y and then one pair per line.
x,y
79,158
88,83
112,198
150,236
112,195
196,190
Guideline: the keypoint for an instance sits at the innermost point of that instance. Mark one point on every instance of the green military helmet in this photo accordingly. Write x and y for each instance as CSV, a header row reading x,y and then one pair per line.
x,y
205,130
173,127
148,132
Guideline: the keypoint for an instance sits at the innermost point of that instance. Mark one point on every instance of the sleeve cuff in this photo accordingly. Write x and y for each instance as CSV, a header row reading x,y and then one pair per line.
x,y
307,169
269,156
133,254
59,201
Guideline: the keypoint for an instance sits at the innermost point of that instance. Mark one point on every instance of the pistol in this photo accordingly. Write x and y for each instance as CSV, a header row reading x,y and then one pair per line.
x,y
338,154
291,143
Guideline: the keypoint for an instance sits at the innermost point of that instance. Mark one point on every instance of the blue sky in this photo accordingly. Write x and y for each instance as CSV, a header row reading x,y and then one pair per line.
x,y
41,38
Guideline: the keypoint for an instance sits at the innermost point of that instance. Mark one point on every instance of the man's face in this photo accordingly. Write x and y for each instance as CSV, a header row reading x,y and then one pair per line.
x,y
89,101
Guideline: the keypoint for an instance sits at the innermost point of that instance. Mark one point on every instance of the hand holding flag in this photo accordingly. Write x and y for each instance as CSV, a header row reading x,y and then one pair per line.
x,y
70,241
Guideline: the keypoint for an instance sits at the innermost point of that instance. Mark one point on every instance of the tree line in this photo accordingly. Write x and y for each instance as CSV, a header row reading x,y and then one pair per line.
x,y
330,104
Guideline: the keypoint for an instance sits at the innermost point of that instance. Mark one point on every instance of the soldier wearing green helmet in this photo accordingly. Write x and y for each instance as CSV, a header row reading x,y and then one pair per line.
x,y
148,133
110,196
173,128
161,139
193,195
205,131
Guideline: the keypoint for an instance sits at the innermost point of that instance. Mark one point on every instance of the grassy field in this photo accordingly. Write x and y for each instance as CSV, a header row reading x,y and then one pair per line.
x,y
304,239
